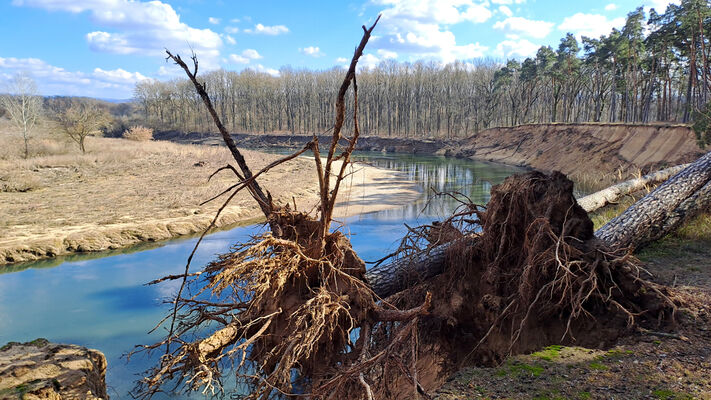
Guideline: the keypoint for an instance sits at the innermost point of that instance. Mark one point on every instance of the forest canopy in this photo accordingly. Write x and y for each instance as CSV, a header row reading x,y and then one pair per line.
x,y
654,69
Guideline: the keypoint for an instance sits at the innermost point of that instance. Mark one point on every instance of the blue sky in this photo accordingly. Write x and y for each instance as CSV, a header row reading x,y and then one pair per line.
x,y
101,48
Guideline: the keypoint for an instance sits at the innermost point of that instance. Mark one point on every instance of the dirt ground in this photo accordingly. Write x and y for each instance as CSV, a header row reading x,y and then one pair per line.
x,y
671,365
595,155
120,193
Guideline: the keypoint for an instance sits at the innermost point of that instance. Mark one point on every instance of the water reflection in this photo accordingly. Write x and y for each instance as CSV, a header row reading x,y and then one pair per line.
x,y
473,179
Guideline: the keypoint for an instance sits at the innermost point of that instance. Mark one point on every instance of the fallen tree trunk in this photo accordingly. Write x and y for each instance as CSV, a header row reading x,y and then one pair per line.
x,y
612,194
660,212
388,279
665,208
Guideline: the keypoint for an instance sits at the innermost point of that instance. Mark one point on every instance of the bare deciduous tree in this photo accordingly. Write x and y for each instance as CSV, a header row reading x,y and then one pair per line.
x,y
23,104
82,120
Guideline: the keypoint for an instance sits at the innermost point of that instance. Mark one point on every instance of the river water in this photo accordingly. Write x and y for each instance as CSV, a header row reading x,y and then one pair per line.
x,y
100,300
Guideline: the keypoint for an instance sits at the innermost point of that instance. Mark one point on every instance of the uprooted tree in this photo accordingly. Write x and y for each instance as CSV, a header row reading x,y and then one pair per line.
x,y
294,311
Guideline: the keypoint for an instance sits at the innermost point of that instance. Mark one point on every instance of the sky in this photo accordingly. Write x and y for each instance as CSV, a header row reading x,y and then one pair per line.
x,y
101,48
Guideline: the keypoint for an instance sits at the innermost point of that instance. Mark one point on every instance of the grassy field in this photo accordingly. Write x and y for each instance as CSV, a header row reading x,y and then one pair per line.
x,y
120,192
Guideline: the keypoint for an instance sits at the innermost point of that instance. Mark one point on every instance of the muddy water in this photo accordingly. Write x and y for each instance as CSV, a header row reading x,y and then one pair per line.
x,y
102,302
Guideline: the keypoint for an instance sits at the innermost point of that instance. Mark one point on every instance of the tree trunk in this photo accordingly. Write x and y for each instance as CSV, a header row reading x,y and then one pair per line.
x,y
660,212
610,195
388,279
647,220
26,138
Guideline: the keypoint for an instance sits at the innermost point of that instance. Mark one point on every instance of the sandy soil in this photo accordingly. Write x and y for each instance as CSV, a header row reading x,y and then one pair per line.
x,y
598,153
122,193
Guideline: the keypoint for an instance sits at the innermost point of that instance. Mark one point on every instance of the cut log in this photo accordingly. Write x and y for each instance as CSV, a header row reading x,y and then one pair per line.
x,y
660,212
612,194
666,207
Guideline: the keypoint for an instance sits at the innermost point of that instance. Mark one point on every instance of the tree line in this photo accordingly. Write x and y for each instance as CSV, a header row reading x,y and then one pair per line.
x,y
655,68
75,117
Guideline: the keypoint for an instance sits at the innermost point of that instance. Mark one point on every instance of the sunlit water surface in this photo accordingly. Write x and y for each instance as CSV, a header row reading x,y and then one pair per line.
x,y
100,300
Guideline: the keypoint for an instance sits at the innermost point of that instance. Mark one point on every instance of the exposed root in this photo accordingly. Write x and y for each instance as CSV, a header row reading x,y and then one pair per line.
x,y
299,312
534,276
281,310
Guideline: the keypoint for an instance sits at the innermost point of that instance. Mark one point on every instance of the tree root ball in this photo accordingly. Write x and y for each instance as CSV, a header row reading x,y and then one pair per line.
x,y
535,276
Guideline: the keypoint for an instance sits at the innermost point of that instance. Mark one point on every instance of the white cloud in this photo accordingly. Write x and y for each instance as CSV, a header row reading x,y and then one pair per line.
x,y
235,20
341,60
527,27
137,27
370,60
263,69
118,75
231,29
421,28
165,71
659,5
268,30
590,25
251,54
53,80
246,57
435,11
366,61
611,7
214,21
229,39
236,58
506,11
386,54
521,48
508,1
312,51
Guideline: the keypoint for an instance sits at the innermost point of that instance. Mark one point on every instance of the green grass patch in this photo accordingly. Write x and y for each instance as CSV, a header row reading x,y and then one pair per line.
x,y
39,342
584,395
525,369
666,394
552,395
549,353
605,214
596,366
698,228
614,355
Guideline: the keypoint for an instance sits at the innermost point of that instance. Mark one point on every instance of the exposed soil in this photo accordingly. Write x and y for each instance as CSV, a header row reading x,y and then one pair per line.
x,y
582,150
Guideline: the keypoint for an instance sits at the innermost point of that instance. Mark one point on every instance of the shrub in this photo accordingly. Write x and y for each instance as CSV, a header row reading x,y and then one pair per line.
x,y
138,133
19,182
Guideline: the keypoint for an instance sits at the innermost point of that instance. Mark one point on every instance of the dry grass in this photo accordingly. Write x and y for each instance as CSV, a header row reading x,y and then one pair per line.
x,y
138,133
120,192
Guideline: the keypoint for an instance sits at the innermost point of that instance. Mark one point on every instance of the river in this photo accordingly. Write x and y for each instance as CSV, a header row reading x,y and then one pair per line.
x,y
100,300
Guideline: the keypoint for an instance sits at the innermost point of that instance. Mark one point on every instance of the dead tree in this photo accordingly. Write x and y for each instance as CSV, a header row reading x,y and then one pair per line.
x,y
285,301
613,193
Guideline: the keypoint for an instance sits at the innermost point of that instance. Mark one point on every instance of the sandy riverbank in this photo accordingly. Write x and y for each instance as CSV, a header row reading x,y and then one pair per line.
x,y
121,193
